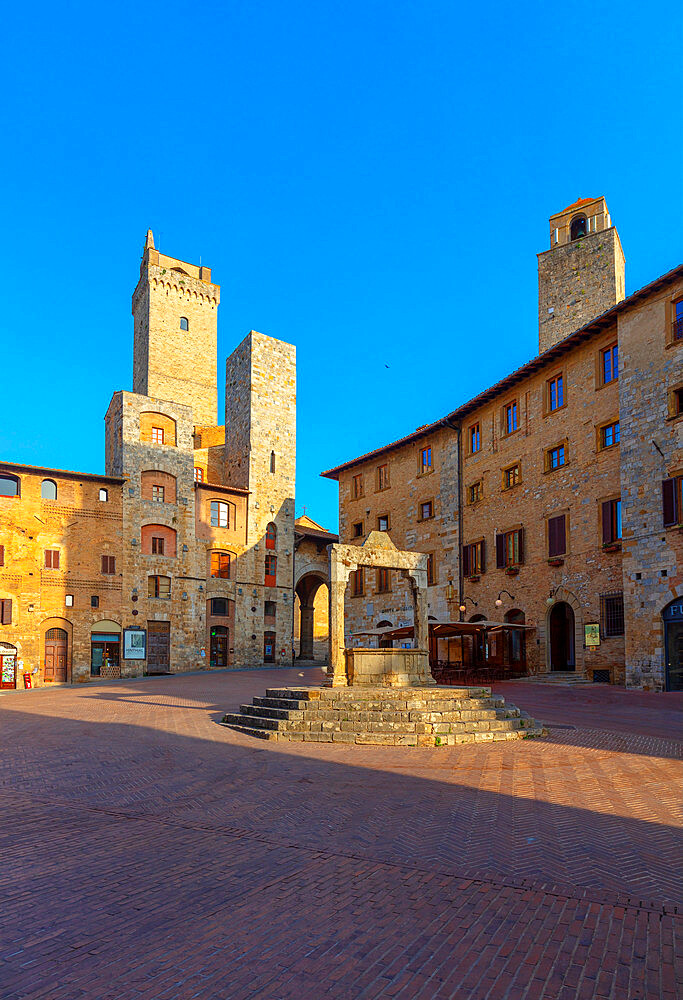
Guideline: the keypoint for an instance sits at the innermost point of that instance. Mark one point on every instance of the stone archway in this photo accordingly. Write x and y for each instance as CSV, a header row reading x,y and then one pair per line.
x,y
306,590
567,624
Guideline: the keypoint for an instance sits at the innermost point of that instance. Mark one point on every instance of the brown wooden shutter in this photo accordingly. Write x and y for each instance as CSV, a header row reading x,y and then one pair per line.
x,y
466,560
552,537
2,555
500,551
483,556
561,535
669,501
6,612
104,564
607,528
557,540
521,544
55,560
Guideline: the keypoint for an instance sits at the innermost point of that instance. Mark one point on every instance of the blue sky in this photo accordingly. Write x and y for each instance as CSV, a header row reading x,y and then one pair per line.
x,y
370,181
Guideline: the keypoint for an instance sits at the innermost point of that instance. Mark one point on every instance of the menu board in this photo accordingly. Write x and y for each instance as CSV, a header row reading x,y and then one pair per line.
x,y
592,634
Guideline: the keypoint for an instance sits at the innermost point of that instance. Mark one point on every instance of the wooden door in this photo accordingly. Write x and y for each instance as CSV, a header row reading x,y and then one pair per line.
x,y
158,647
56,655
674,656
269,647
219,646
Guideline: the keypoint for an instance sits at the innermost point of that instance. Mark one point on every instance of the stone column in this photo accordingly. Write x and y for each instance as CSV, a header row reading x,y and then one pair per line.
x,y
339,577
306,632
418,580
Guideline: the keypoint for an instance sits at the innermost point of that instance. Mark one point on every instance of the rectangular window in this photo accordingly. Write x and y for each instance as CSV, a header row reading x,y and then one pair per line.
x,y
198,475
383,522
109,565
475,438
555,393
676,402
672,501
271,570
269,609
678,320
511,417
157,546
476,491
611,521
357,582
383,581
358,486
358,529
219,607
426,510
51,558
220,565
69,601
219,514
610,363
555,457
382,477
612,614
94,601
473,558
426,459
159,586
510,548
6,612
511,477
609,435
158,494
157,435
431,570
557,536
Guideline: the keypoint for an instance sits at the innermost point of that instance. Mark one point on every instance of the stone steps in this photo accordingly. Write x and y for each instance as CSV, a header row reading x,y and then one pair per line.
x,y
437,716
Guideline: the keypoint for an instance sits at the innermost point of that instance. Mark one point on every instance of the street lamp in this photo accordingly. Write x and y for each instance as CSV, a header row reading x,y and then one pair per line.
x,y
499,600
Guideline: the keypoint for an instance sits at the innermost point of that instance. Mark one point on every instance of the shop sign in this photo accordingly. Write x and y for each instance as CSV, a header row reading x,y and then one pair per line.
x,y
134,644
674,612
592,634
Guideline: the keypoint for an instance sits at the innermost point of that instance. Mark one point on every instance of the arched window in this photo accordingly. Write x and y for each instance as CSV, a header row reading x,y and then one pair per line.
x,y
104,496
184,325
9,486
221,563
271,536
271,570
48,489
222,514
158,540
272,461
578,227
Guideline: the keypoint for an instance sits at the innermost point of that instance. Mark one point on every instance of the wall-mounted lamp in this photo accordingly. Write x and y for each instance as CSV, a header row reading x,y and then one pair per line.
x,y
499,600
463,606
551,597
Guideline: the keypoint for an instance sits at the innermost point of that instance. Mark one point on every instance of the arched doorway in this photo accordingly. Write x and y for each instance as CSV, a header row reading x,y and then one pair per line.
x,y
312,594
516,644
385,643
218,651
561,627
673,644
56,658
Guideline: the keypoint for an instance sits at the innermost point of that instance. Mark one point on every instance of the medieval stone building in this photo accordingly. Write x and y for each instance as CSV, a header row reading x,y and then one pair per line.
x,y
552,500
182,555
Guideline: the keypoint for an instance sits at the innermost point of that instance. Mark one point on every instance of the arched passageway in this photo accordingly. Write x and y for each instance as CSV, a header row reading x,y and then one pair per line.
x,y
309,593
562,651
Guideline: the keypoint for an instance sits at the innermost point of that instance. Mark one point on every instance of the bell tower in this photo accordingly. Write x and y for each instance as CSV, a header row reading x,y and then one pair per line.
x,y
175,350
582,274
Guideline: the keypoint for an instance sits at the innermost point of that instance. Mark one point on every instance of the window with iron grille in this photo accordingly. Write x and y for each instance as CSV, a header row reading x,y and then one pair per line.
x,y
612,613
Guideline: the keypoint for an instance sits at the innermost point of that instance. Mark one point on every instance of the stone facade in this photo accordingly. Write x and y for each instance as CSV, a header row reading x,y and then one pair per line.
x,y
199,524
581,277
562,459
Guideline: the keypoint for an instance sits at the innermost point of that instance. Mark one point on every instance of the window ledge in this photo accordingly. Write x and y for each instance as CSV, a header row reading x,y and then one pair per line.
x,y
556,468
511,570
604,385
506,489
611,547
556,561
475,578
558,409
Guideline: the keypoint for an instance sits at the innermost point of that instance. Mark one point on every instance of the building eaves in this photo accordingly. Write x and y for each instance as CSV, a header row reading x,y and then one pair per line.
x,y
557,350
22,466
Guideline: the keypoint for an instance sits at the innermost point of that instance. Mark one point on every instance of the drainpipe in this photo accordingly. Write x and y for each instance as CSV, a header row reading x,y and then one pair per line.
x,y
461,580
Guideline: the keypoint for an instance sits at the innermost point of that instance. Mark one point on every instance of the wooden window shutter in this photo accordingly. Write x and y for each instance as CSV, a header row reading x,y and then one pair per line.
x,y
55,559
466,560
561,535
2,555
669,501
521,544
552,537
483,557
105,564
500,551
6,612
607,522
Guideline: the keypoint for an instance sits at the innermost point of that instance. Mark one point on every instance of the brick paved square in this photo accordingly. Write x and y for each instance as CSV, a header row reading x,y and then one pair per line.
x,y
148,852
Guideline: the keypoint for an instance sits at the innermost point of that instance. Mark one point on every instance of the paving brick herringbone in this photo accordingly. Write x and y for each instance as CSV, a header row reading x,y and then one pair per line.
x,y
148,852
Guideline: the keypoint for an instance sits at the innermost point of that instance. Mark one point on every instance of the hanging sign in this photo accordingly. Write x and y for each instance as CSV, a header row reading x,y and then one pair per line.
x,y
592,635
134,644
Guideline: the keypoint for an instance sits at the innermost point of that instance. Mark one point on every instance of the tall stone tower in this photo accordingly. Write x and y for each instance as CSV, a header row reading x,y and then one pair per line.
x,y
582,275
260,455
175,310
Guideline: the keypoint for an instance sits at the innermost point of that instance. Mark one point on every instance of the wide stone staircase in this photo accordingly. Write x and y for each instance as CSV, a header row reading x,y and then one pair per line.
x,y
417,717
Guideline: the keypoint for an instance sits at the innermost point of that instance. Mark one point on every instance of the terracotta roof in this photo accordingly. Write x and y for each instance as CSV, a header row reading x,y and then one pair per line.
x,y
305,531
61,472
583,333
576,204
223,487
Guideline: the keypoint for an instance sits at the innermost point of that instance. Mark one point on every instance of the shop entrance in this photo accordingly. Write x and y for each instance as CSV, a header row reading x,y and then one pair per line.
x,y
56,648
219,646
269,647
561,621
158,647
104,652
673,644
8,666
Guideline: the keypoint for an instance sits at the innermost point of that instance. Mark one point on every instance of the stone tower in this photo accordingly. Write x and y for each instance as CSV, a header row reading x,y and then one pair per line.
x,y
175,310
260,456
582,275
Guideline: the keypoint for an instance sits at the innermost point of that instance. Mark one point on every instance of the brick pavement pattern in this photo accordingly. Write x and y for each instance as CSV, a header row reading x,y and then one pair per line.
x,y
148,853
